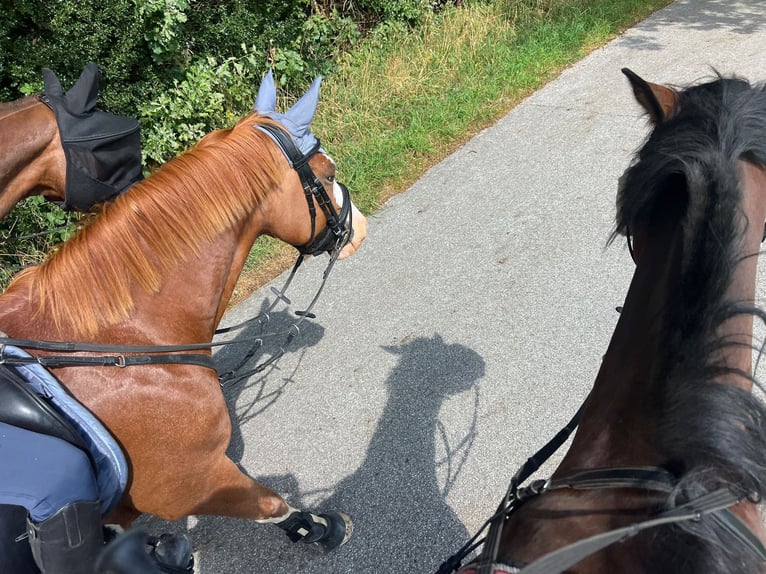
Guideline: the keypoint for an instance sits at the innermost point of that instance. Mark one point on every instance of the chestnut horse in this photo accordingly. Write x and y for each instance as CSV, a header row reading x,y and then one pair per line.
x,y
95,158
156,268
669,461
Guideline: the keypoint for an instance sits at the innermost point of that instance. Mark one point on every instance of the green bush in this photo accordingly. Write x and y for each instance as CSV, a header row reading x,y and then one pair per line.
x,y
32,230
183,67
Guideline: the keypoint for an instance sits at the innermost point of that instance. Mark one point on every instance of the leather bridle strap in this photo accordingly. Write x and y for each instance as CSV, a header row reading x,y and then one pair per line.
x,y
716,503
646,478
643,477
492,542
138,355
495,522
109,360
336,233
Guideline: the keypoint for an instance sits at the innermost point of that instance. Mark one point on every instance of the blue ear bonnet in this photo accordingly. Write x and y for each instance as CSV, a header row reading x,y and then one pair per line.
x,y
298,118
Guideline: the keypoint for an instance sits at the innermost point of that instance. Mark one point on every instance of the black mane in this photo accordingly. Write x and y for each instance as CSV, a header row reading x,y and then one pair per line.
x,y
711,434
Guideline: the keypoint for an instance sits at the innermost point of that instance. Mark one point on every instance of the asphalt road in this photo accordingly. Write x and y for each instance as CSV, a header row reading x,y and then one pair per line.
x,y
470,325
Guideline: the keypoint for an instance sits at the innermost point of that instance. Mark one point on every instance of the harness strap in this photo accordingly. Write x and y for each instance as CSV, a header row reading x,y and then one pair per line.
x,y
109,360
646,478
732,523
313,189
74,347
492,542
657,479
560,560
643,477
497,568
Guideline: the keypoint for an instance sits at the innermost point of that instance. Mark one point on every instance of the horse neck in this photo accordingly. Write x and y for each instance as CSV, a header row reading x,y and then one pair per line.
x,y
623,406
620,403
97,278
620,422
33,160
210,279
193,296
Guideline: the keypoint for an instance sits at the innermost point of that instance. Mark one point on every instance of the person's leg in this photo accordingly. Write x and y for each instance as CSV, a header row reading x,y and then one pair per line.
x,y
54,481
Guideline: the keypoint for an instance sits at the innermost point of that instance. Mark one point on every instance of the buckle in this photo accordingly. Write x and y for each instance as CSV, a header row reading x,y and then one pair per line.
x,y
535,488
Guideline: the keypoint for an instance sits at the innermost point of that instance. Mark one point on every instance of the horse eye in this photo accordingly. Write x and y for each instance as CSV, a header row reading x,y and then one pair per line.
x,y
331,178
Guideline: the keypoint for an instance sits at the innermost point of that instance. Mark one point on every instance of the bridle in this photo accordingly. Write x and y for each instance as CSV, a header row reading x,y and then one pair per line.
x,y
716,503
337,233
332,239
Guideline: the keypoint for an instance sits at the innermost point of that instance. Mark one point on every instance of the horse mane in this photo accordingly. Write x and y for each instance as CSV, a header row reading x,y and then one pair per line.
x,y
711,434
158,224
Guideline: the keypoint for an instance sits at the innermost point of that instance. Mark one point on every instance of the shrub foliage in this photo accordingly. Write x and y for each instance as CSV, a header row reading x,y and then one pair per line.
x,y
183,67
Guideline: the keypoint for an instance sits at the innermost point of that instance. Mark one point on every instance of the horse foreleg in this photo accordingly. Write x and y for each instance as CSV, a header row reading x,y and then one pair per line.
x,y
237,495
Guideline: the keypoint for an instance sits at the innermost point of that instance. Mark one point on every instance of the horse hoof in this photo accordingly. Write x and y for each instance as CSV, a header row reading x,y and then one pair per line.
x,y
339,529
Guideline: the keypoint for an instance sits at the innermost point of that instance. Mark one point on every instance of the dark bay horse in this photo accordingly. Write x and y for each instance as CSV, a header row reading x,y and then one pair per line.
x,y
60,146
157,267
668,463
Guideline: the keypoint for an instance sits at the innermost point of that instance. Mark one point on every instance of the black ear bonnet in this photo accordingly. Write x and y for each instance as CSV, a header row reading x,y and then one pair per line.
x,y
103,150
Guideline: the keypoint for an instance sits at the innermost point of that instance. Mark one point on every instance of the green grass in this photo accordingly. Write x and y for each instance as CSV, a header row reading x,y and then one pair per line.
x,y
407,98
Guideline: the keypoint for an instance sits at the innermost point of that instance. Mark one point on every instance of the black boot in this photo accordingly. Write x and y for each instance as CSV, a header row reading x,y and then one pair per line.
x,y
135,552
328,530
15,553
173,553
68,541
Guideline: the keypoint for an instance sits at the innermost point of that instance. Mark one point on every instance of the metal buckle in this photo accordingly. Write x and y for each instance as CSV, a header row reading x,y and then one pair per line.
x,y
535,488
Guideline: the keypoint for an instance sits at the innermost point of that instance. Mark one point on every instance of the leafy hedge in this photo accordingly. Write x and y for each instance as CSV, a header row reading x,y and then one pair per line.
x,y
183,67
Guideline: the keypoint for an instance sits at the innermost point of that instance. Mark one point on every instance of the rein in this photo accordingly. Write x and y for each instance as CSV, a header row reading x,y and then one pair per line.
x,y
136,355
716,503
333,238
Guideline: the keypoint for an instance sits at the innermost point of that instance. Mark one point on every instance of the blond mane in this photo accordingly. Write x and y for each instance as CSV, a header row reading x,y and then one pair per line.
x,y
160,223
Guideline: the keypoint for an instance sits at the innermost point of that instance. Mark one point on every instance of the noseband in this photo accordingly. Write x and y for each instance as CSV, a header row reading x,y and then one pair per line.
x,y
339,230
716,503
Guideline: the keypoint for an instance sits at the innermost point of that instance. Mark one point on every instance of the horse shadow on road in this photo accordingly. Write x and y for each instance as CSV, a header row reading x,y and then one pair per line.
x,y
396,497
263,389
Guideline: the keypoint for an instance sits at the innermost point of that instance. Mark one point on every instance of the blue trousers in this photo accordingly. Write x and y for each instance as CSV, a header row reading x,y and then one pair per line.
x,y
39,475
42,473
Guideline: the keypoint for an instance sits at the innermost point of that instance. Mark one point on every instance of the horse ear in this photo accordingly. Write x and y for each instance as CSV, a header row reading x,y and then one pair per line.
x,y
266,101
83,96
393,349
52,84
658,101
304,109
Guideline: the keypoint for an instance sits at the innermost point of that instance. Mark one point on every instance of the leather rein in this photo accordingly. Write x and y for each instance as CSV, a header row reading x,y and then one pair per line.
x,y
716,503
332,239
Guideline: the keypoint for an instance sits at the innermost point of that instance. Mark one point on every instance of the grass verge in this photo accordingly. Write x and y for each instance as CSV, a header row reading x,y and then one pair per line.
x,y
407,98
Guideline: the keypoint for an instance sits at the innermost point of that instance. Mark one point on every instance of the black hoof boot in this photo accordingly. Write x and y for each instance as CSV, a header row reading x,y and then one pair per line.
x,y
327,531
135,552
173,553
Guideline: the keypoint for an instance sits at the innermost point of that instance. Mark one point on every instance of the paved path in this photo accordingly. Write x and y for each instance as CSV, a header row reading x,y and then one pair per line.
x,y
471,324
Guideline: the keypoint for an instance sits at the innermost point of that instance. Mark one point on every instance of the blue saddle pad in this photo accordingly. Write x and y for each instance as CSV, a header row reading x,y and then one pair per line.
x,y
111,465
